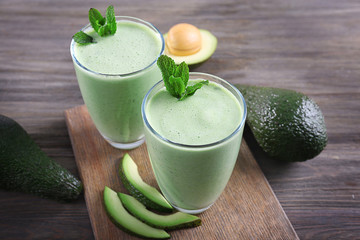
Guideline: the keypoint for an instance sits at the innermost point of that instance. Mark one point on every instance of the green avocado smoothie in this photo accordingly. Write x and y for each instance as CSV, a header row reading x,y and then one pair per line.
x,y
193,144
114,74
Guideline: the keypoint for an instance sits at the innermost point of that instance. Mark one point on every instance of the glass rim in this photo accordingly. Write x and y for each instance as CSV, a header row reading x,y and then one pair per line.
x,y
148,24
238,128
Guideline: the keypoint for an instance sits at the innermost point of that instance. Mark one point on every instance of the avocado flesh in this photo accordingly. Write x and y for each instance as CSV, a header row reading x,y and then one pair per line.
x,y
288,125
173,221
146,194
128,223
208,47
24,167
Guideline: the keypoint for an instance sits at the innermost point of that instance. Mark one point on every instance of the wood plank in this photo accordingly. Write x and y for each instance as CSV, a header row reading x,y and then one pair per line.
x,y
247,209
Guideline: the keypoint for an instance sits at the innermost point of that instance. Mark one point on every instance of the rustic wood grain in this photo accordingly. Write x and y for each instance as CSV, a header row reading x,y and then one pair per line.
x,y
308,46
247,209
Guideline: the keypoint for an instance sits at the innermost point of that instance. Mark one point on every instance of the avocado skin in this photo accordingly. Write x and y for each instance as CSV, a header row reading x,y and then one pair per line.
x,y
288,125
139,195
24,167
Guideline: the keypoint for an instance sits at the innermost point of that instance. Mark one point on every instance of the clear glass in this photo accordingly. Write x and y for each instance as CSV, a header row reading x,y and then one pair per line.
x,y
192,177
114,100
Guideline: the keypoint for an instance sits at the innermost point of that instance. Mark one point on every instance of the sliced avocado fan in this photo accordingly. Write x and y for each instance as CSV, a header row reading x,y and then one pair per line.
x,y
288,125
128,223
146,194
24,167
173,221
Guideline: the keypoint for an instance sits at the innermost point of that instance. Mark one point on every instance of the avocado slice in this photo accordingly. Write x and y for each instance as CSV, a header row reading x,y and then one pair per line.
x,y
128,223
24,167
208,47
146,194
288,125
173,221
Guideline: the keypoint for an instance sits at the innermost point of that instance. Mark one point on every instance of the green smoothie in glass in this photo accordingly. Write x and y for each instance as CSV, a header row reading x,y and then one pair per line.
x,y
193,144
114,74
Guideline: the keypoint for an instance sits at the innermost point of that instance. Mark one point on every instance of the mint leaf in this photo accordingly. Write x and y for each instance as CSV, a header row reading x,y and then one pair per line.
x,y
182,71
110,19
83,38
167,67
96,19
178,85
190,90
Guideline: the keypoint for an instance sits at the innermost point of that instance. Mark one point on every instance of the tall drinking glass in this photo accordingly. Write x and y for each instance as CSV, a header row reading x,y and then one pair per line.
x,y
114,74
192,176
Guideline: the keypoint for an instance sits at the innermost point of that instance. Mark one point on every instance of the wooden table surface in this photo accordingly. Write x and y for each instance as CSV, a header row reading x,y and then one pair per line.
x,y
309,46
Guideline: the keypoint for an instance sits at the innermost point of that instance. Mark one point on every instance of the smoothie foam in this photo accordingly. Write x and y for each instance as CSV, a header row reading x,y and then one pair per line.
x,y
212,114
132,48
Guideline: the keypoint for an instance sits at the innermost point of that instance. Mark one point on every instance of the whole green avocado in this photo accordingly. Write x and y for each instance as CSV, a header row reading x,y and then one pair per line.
x,y
24,167
288,125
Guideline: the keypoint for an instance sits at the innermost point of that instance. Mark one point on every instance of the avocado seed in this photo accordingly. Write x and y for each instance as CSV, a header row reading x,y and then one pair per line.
x,y
183,39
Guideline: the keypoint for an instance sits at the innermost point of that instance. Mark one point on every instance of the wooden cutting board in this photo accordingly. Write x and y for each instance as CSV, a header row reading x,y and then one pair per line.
x,y
247,209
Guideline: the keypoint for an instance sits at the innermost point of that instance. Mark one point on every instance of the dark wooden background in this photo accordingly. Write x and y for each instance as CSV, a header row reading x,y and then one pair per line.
x,y
309,46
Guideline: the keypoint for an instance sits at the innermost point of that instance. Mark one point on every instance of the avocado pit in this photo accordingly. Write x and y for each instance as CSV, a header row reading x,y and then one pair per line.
x,y
183,39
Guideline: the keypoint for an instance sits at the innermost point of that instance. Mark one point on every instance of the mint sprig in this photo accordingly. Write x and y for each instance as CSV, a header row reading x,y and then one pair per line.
x,y
176,78
103,26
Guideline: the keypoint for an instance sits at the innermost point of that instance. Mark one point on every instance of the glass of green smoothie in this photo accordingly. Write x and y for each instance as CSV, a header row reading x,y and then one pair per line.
x,y
114,74
193,144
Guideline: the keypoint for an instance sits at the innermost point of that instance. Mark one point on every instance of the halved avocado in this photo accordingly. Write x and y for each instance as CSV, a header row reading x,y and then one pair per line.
x,y
127,222
208,47
146,194
173,221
